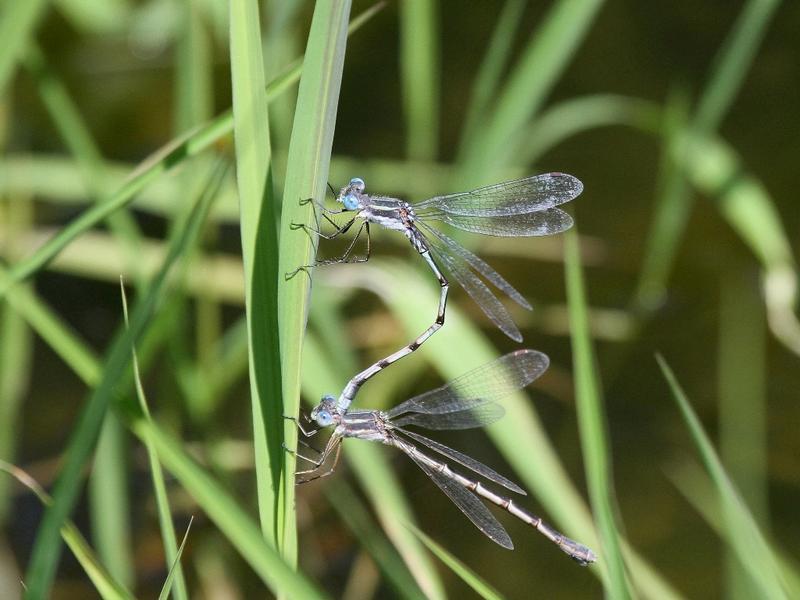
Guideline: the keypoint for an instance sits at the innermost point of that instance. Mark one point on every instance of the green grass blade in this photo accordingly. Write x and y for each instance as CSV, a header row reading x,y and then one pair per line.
x,y
744,535
109,505
542,62
420,75
732,64
591,419
487,81
467,575
161,161
46,550
306,177
104,582
577,115
159,485
745,204
17,23
175,569
742,403
260,257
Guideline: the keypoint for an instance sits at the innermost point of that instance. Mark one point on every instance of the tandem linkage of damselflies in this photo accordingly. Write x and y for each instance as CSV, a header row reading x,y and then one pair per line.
x,y
523,207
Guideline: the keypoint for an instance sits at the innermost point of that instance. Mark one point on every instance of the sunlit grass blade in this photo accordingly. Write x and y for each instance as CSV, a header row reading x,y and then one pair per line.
x,y
744,535
47,547
164,159
592,421
420,76
175,569
351,510
306,177
543,61
487,80
322,373
104,582
259,232
467,575
159,486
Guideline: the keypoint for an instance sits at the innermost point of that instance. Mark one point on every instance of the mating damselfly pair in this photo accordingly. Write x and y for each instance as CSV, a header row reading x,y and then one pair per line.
x,y
524,207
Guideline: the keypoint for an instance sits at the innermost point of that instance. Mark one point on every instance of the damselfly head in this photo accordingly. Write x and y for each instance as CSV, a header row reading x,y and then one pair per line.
x,y
323,412
349,196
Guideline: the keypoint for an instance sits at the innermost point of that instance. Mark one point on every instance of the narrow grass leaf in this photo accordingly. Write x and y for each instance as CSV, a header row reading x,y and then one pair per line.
x,y
744,535
260,256
306,177
103,581
159,485
420,76
467,575
176,566
745,204
543,61
18,20
591,419
47,548
495,59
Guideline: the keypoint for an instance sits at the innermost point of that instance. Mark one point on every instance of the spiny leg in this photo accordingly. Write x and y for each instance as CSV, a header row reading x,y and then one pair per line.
x,y
333,442
344,258
294,420
329,471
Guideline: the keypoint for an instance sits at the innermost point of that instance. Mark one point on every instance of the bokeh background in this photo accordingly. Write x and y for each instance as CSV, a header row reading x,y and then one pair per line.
x,y
679,117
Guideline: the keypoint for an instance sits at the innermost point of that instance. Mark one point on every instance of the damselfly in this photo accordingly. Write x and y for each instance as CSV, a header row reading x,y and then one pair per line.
x,y
466,402
519,208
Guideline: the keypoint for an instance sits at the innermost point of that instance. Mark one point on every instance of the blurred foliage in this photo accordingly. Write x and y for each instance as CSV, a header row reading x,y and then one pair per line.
x,y
119,121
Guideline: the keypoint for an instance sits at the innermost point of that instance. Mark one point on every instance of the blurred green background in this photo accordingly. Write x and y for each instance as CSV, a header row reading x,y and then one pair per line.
x,y
679,117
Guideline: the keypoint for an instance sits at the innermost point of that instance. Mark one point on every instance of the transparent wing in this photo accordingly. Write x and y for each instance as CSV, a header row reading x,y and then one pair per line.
x,y
481,386
449,245
533,224
477,289
469,505
468,418
520,196
467,461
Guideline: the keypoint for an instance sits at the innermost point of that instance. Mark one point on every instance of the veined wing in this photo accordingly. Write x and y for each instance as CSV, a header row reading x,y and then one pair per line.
x,y
469,504
520,196
477,263
532,224
467,461
483,385
468,418
480,293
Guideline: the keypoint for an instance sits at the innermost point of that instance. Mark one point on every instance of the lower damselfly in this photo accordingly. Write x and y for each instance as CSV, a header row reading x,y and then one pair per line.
x,y
466,402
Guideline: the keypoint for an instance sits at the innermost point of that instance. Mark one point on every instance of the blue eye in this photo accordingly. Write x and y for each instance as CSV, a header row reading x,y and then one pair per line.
x,y
357,184
324,418
350,202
